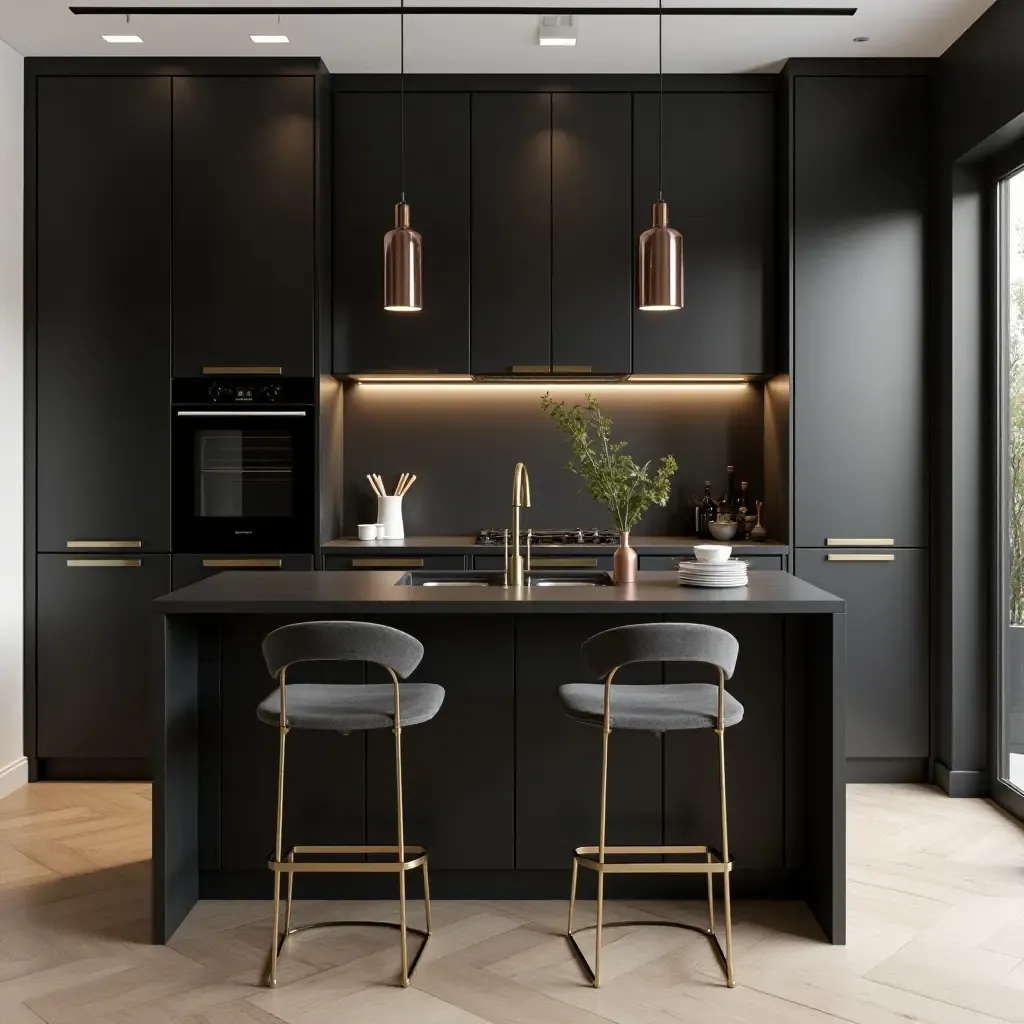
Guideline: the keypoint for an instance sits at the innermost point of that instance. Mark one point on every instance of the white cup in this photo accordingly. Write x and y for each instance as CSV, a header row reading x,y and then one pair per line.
x,y
389,515
379,530
367,531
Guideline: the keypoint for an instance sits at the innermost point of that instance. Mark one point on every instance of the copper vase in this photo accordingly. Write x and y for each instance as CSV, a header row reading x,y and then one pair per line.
x,y
624,561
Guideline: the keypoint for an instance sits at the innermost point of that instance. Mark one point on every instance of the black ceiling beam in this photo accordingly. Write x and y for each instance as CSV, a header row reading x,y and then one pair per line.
x,y
719,12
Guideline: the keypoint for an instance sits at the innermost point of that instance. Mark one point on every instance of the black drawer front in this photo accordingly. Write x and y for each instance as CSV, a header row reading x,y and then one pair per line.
x,y
540,560
668,563
405,560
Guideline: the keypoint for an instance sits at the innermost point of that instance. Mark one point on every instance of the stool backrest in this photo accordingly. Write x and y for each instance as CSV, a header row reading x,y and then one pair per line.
x,y
661,641
342,641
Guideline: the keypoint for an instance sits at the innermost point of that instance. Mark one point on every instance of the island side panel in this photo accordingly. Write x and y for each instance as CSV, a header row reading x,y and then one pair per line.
x,y
825,690
176,779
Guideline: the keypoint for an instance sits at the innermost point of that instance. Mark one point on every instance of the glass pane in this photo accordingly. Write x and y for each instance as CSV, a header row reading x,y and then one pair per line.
x,y
244,474
1012,242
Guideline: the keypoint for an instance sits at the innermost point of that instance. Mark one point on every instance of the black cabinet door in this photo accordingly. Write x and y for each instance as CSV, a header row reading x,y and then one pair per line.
x,y
458,769
511,232
558,760
886,647
243,223
97,645
367,160
719,185
103,150
860,166
591,239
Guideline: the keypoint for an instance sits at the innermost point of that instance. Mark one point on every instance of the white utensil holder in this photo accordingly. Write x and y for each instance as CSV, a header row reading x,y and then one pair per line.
x,y
389,512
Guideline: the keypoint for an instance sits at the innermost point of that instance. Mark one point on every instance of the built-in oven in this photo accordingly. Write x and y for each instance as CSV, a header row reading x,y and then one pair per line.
x,y
242,456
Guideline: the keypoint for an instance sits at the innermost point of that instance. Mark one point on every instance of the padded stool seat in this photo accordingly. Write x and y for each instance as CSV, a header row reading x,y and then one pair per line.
x,y
351,708
650,708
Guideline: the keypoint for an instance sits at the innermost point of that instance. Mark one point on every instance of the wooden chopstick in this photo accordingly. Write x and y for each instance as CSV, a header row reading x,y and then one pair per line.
x,y
380,485
408,483
401,484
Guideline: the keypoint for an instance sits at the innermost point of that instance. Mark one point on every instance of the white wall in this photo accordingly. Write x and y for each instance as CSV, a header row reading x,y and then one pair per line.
x,y
13,769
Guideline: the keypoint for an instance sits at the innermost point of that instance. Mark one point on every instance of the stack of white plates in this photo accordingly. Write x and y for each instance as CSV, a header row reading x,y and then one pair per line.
x,y
732,573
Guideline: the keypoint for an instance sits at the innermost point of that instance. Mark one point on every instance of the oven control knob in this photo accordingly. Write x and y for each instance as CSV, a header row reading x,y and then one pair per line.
x,y
220,394
272,392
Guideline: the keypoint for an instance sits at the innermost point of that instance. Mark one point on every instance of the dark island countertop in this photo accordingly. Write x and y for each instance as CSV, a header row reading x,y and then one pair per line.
x,y
465,544
360,593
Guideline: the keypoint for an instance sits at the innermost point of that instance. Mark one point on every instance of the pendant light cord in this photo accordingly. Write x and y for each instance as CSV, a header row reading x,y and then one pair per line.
x,y
401,80
661,110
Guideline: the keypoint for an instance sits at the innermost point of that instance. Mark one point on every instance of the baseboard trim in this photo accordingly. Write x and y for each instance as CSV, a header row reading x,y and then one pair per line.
x,y
94,769
886,769
960,783
13,776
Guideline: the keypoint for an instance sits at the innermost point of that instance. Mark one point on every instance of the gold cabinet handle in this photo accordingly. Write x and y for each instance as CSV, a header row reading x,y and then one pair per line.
x,y
566,563
572,369
104,544
387,563
104,563
227,370
526,368
859,542
241,563
860,558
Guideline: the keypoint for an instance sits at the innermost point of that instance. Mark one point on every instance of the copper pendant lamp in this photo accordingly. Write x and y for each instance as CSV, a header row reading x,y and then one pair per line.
x,y
659,272
403,247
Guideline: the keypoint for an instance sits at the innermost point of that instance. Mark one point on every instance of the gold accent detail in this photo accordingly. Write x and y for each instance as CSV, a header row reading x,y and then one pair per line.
x,y
520,498
567,563
859,542
572,369
527,368
860,558
281,863
229,370
714,863
104,563
242,563
104,544
387,563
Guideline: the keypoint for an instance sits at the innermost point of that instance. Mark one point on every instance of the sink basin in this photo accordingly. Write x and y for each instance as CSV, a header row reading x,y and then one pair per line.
x,y
496,578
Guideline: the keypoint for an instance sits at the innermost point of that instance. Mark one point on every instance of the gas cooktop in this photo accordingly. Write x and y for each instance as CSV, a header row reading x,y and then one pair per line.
x,y
591,536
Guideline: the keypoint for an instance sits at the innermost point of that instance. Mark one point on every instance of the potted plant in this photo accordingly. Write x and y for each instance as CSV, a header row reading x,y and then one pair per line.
x,y
612,477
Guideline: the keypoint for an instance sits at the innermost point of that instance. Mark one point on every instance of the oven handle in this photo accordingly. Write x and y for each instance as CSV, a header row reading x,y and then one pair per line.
x,y
240,412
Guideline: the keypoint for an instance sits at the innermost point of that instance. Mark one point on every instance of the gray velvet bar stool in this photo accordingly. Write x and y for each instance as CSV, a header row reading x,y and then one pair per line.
x,y
657,709
346,708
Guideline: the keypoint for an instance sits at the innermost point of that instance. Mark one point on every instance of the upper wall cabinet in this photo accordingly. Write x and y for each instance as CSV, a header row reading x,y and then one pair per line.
x,y
719,183
860,165
367,182
103,158
244,223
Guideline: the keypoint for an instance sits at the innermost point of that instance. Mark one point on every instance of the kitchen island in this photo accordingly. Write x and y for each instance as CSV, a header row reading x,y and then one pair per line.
x,y
501,785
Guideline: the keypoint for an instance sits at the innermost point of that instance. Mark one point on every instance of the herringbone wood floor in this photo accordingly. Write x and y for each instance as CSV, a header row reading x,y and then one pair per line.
x,y
936,922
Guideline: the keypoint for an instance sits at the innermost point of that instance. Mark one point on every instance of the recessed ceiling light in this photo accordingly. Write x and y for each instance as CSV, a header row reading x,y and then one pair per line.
x,y
123,39
862,39
556,30
269,39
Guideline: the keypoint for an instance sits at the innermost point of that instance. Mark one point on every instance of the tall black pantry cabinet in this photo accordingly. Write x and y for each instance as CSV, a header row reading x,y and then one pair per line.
x,y
859,151
102,351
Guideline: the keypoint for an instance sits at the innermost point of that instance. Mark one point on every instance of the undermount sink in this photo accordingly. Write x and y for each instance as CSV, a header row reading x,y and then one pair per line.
x,y
496,578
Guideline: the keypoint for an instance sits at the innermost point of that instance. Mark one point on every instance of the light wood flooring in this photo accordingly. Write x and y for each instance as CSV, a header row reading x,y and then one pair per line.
x,y
936,890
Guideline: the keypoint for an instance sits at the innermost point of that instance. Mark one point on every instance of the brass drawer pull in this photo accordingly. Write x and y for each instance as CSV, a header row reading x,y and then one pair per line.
x,y
566,563
859,542
104,563
104,544
387,563
241,563
860,558
529,369
227,370
572,369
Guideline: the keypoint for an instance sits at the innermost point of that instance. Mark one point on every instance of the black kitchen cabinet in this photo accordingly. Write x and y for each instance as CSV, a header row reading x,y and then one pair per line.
x,y
558,760
382,560
668,563
103,163
189,569
591,232
719,183
887,703
244,223
511,232
458,769
860,163
97,653
367,182
540,560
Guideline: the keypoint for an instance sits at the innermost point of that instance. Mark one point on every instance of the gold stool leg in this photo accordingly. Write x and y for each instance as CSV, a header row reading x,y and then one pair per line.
x,y
272,978
401,851
288,905
711,901
426,893
725,857
572,895
600,852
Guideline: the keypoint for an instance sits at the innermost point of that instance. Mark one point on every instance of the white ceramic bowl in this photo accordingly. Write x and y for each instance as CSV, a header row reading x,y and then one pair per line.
x,y
712,552
367,531
723,531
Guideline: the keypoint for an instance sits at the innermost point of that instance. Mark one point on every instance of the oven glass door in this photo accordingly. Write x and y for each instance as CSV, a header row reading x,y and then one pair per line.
x,y
243,480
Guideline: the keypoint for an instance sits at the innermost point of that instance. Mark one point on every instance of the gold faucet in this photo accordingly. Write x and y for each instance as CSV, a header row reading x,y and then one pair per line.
x,y
520,498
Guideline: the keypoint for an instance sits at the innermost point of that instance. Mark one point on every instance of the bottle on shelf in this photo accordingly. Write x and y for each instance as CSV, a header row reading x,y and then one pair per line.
x,y
728,503
707,511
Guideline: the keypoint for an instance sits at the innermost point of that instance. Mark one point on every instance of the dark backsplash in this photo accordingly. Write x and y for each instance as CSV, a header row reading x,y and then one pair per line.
x,y
462,442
